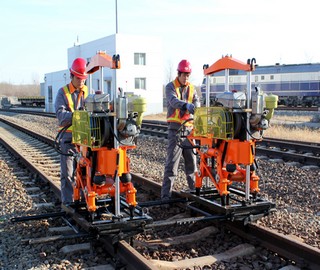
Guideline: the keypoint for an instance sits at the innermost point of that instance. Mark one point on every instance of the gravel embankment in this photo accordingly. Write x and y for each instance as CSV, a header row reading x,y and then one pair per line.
x,y
295,191
15,201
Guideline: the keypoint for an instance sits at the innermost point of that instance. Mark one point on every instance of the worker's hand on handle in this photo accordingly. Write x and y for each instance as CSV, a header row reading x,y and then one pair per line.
x,y
190,108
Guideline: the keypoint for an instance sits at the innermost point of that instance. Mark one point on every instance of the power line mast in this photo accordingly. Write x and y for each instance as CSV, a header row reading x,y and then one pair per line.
x,y
116,16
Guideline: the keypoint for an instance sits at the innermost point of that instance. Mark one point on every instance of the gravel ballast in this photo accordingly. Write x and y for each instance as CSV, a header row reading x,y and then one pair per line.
x,y
296,191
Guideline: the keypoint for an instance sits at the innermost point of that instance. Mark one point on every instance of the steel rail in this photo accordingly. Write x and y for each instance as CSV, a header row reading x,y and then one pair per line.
x,y
307,153
289,156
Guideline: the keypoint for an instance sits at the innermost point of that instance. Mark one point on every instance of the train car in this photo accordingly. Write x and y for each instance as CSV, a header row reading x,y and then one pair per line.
x,y
32,101
9,102
295,85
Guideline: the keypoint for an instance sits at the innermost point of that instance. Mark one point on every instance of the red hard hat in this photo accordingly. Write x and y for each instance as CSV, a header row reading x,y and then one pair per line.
x,y
78,68
184,66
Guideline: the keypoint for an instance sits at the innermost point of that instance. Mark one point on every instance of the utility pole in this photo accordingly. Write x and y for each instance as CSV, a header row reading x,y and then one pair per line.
x,y
116,16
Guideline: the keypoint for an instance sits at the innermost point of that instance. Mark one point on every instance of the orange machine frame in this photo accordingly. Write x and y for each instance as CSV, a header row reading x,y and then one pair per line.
x,y
225,151
112,162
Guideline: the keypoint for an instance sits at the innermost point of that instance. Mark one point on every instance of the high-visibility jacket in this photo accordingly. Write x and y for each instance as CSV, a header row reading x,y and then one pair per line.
x,y
177,116
84,92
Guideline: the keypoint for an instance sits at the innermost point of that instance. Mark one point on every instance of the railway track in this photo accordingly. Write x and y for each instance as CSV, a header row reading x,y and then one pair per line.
x,y
34,150
41,159
308,109
305,153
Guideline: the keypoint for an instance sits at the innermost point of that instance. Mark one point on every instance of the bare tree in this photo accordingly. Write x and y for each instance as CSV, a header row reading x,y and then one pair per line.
x,y
169,72
35,78
7,89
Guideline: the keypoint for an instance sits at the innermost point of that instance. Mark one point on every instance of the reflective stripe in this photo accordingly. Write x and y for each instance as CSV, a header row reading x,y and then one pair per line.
x,y
68,130
175,117
68,96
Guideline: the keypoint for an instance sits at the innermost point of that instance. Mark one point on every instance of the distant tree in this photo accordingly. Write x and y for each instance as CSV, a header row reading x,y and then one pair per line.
x,y
7,89
35,78
170,73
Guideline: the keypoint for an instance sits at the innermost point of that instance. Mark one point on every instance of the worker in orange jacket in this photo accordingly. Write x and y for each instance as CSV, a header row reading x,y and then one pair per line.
x,y
70,98
182,99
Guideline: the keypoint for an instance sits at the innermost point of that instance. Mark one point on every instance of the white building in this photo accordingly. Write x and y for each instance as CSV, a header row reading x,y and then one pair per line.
x,y
141,69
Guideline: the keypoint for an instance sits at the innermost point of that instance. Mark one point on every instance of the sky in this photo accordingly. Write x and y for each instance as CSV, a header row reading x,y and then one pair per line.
x,y
35,34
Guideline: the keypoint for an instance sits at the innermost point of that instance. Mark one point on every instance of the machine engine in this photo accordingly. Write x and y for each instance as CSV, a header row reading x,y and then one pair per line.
x,y
100,117
262,109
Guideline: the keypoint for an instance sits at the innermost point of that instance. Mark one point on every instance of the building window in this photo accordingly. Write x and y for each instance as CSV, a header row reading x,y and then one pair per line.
x,y
140,83
140,59
109,86
256,78
50,94
271,77
262,77
233,72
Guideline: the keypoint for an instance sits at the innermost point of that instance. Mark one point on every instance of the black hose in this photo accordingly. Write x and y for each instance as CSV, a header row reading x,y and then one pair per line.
x,y
250,134
180,130
113,133
57,141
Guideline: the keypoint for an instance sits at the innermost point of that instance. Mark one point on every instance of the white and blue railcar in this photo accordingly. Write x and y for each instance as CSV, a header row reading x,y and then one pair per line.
x,y
295,85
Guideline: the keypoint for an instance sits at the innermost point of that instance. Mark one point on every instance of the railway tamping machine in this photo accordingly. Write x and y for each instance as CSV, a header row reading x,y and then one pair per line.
x,y
224,137
103,132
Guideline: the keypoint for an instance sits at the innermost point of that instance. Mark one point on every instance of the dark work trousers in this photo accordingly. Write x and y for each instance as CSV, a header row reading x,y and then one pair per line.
x,y
67,171
174,153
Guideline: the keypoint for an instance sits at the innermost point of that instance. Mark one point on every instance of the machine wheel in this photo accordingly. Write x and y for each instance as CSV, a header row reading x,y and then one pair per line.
x,y
131,209
254,195
91,216
225,200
